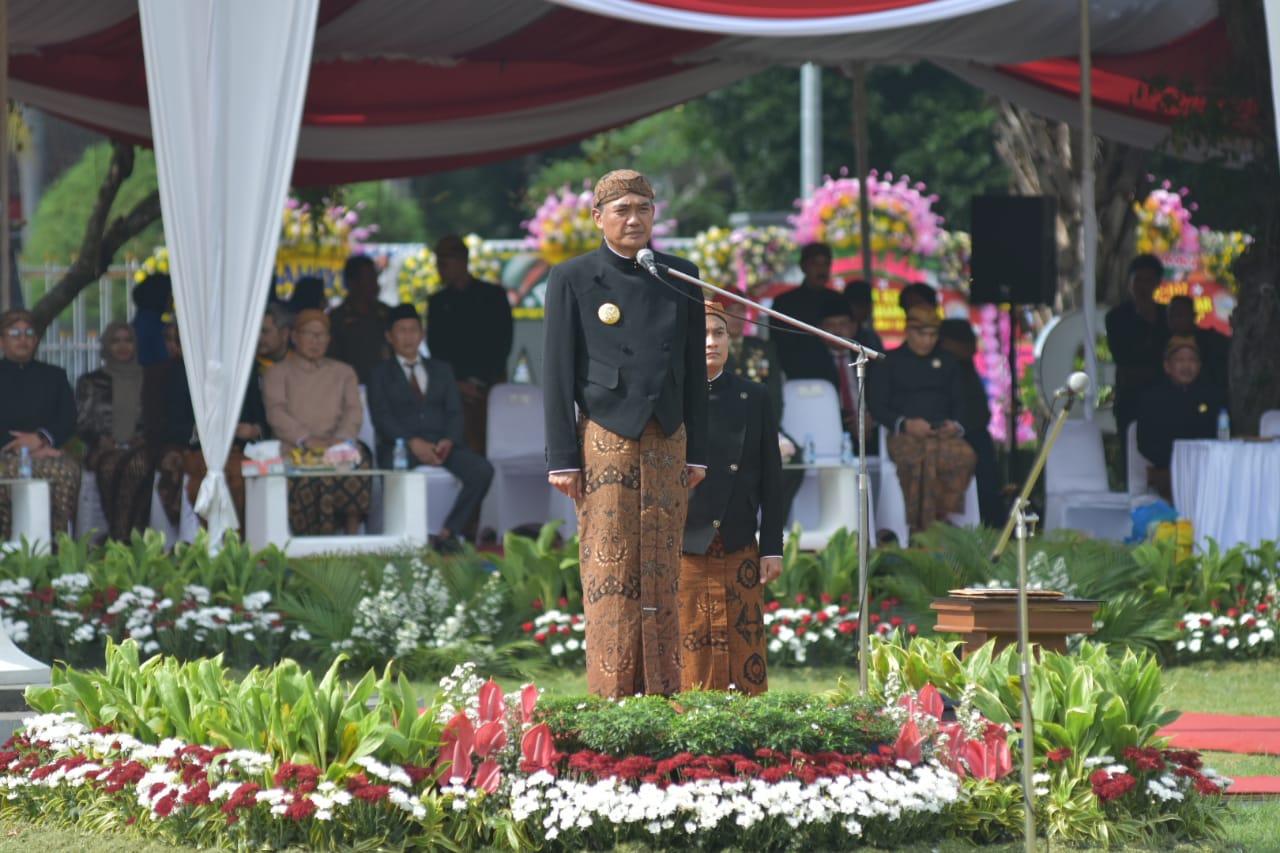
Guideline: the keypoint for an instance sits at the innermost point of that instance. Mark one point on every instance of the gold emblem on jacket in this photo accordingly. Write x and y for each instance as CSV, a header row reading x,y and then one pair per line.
x,y
1204,407
609,314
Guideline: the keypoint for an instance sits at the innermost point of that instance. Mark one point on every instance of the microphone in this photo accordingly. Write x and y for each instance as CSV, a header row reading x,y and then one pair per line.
x,y
645,258
1077,384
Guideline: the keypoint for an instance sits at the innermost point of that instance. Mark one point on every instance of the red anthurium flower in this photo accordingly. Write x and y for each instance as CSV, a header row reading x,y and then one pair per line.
x,y
492,702
488,776
490,737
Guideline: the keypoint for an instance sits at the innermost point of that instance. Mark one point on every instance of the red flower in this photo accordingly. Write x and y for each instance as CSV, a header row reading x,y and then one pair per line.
x,y
562,602
1262,605
846,627
824,617
895,621
537,604
242,797
540,637
825,598
846,597
912,630
800,598
775,629
1232,612
875,618
301,809
772,606
1059,755
164,805
527,627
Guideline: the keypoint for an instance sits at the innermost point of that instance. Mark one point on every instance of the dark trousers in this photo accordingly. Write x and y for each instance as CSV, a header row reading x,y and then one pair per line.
x,y
987,472
476,474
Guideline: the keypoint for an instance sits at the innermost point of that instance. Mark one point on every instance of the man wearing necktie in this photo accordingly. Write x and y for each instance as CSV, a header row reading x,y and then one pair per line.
x,y
417,399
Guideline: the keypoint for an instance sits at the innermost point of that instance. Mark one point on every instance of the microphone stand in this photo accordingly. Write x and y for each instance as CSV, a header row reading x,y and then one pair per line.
x,y
1020,522
862,355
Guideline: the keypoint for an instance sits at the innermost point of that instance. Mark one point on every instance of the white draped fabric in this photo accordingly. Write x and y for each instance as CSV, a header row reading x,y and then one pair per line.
x,y
1272,10
226,80
1228,490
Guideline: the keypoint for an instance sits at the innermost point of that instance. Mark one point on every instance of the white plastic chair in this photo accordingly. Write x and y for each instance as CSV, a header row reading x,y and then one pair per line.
x,y
811,407
827,499
89,513
188,521
1269,425
1136,464
1075,485
515,442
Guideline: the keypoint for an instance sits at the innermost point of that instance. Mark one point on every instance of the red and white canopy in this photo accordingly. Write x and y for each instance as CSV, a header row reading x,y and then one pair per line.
x,y
409,86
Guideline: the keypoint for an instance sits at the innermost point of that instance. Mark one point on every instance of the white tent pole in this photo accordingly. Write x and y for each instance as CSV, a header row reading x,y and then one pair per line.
x,y
1090,213
810,127
862,143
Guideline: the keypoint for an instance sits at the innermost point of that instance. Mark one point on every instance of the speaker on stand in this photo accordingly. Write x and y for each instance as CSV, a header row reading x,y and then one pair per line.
x,y
1014,262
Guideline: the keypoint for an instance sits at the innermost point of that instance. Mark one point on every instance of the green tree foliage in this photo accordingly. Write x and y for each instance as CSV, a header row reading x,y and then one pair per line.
x,y
921,122
57,228
389,205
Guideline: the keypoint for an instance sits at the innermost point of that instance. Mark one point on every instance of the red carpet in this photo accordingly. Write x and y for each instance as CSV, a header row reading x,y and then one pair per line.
x,y
1227,733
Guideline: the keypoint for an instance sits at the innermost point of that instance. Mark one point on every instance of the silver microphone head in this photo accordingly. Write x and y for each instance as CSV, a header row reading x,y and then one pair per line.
x,y
1078,382
645,258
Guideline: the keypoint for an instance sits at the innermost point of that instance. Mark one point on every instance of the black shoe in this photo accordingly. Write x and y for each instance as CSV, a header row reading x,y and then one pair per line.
x,y
447,545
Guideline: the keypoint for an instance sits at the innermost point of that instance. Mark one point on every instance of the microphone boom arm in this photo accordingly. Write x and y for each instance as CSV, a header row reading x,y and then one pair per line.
x,y
870,353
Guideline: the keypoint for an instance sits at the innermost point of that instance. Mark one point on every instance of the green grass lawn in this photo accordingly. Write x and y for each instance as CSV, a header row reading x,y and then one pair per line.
x,y
1251,826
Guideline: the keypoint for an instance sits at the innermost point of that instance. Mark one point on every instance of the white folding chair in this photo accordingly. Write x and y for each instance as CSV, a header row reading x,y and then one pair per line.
x,y
1269,425
515,442
1135,464
1075,483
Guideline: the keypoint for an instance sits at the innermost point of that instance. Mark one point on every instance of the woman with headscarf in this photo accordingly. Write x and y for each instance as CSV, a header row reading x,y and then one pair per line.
x,y
109,421
723,570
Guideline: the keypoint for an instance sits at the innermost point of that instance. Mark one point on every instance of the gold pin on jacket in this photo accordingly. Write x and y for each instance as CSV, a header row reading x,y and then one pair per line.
x,y
609,314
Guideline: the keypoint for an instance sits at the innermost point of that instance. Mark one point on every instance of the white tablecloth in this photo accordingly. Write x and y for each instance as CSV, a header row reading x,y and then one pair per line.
x,y
1229,489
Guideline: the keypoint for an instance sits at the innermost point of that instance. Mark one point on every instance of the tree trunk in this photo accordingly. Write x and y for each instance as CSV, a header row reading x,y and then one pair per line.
x,y
1042,159
1255,323
101,241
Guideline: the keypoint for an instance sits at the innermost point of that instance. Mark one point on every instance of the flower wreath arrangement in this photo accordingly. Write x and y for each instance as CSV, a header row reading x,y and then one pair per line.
x,y
562,227
326,235
902,217
743,258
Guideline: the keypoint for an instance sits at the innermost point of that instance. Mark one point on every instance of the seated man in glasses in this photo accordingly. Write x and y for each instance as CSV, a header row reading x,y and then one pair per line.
x,y
39,413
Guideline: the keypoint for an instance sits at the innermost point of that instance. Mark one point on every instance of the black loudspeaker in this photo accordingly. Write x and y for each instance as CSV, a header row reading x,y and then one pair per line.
x,y
1014,257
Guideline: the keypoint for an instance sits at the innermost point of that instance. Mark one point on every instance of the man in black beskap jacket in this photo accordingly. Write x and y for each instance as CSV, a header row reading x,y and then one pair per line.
x,y
724,570
39,413
628,349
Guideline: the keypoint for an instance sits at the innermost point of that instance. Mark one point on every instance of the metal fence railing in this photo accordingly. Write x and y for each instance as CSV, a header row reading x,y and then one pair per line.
x,y
71,340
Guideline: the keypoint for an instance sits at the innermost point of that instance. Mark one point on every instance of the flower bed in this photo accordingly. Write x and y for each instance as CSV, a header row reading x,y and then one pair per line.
x,y
180,752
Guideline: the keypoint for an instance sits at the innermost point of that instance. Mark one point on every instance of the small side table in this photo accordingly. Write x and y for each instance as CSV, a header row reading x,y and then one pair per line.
x,y
982,615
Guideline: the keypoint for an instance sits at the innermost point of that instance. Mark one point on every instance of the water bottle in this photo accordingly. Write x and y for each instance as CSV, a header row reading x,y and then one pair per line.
x,y
24,464
400,456
846,449
810,449
1224,425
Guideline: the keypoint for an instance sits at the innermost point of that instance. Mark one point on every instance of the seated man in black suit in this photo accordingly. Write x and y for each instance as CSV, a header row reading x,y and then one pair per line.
x,y
417,399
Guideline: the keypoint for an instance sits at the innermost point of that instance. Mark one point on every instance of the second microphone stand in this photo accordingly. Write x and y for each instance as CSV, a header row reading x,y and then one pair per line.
x,y
862,355
1021,520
